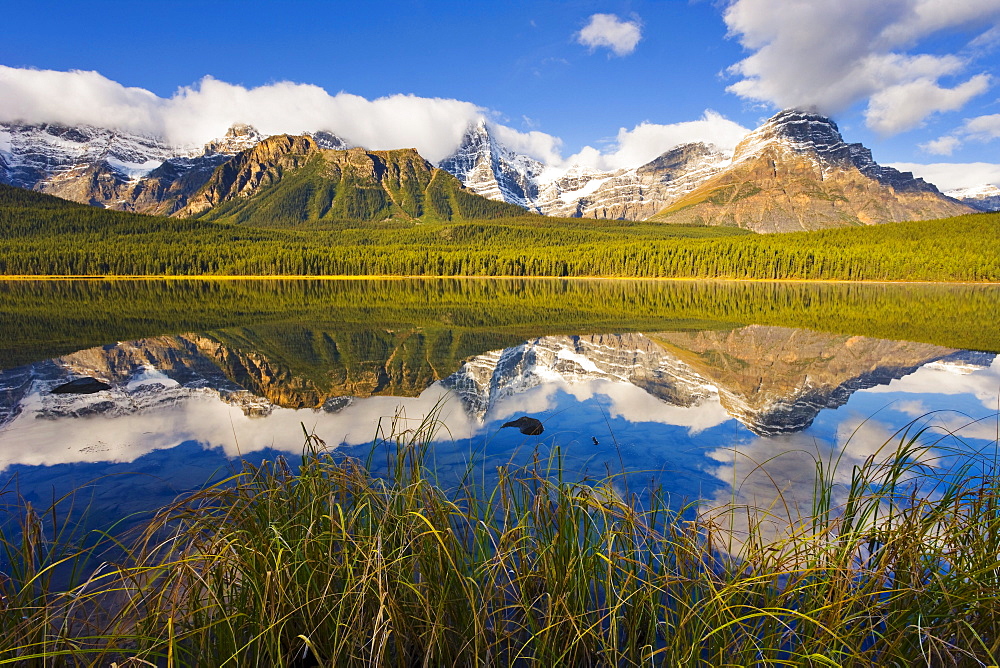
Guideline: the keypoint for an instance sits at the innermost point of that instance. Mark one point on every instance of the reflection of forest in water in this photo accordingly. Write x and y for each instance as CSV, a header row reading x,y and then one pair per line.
x,y
458,318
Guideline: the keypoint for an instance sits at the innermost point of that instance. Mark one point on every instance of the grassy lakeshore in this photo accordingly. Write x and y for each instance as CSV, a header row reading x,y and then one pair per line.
x,y
324,564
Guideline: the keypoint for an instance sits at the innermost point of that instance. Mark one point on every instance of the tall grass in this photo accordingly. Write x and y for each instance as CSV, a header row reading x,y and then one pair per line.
x,y
326,564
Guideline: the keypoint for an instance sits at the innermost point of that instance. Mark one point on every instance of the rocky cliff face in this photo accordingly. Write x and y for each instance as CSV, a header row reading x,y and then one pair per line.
x,y
285,180
630,194
85,164
796,172
243,175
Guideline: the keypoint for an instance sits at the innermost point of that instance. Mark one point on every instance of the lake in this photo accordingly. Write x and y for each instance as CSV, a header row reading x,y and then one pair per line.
x,y
716,391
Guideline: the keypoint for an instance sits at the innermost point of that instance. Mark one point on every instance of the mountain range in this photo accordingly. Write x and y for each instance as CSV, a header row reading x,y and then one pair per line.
x,y
794,172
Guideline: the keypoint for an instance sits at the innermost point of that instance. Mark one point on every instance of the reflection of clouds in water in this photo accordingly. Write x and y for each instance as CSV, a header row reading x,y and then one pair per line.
x,y
984,384
624,400
203,417
777,475
913,407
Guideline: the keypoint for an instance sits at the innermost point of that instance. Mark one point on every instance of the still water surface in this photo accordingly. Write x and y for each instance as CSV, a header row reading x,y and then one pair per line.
x,y
716,391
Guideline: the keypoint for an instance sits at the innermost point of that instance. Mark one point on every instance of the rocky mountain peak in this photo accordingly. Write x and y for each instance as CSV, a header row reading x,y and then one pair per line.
x,y
809,134
476,146
252,168
796,172
239,137
241,130
681,157
798,130
491,170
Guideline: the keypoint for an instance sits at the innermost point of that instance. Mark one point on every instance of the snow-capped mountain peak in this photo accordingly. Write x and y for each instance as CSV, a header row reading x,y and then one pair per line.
x,y
489,169
239,137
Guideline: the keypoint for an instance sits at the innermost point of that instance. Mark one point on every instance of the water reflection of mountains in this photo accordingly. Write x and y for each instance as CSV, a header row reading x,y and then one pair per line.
x,y
772,379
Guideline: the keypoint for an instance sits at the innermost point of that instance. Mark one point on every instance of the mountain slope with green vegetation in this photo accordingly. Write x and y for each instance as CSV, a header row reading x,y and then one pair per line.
x,y
49,237
286,181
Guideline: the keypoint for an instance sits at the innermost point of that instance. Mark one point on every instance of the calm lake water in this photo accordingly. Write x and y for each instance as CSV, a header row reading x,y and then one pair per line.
x,y
716,391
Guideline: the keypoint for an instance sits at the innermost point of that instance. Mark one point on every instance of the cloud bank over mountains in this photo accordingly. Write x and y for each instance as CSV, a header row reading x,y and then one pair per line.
x,y
204,111
832,55
196,114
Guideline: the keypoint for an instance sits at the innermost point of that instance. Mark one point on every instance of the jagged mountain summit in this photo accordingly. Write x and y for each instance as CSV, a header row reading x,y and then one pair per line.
x,y
796,172
630,194
489,169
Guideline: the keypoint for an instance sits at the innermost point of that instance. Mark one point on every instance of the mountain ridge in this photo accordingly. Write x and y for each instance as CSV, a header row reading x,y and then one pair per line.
x,y
288,179
794,172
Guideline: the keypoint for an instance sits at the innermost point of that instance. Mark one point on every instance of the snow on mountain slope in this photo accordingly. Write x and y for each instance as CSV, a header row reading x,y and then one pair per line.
x,y
487,168
119,170
34,154
984,198
491,170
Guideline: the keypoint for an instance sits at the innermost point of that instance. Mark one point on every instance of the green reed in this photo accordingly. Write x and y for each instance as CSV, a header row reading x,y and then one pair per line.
x,y
330,565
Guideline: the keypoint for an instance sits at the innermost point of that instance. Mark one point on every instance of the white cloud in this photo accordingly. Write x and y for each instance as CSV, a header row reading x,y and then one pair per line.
x,y
647,140
898,108
983,128
607,30
196,114
538,145
830,55
942,145
980,128
949,176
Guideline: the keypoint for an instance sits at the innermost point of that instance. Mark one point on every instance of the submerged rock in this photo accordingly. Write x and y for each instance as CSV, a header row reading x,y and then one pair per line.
x,y
81,386
528,425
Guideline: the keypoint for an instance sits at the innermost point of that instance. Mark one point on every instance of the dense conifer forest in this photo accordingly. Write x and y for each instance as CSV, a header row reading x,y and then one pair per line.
x,y
41,235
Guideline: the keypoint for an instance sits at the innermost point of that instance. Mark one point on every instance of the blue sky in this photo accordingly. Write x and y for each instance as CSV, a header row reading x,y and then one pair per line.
x,y
916,80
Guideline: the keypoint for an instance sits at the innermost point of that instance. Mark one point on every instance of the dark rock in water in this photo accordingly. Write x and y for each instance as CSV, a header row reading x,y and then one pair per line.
x,y
81,386
527,425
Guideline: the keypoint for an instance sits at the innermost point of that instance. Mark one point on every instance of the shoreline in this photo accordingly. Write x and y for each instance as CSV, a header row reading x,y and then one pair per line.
x,y
387,277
